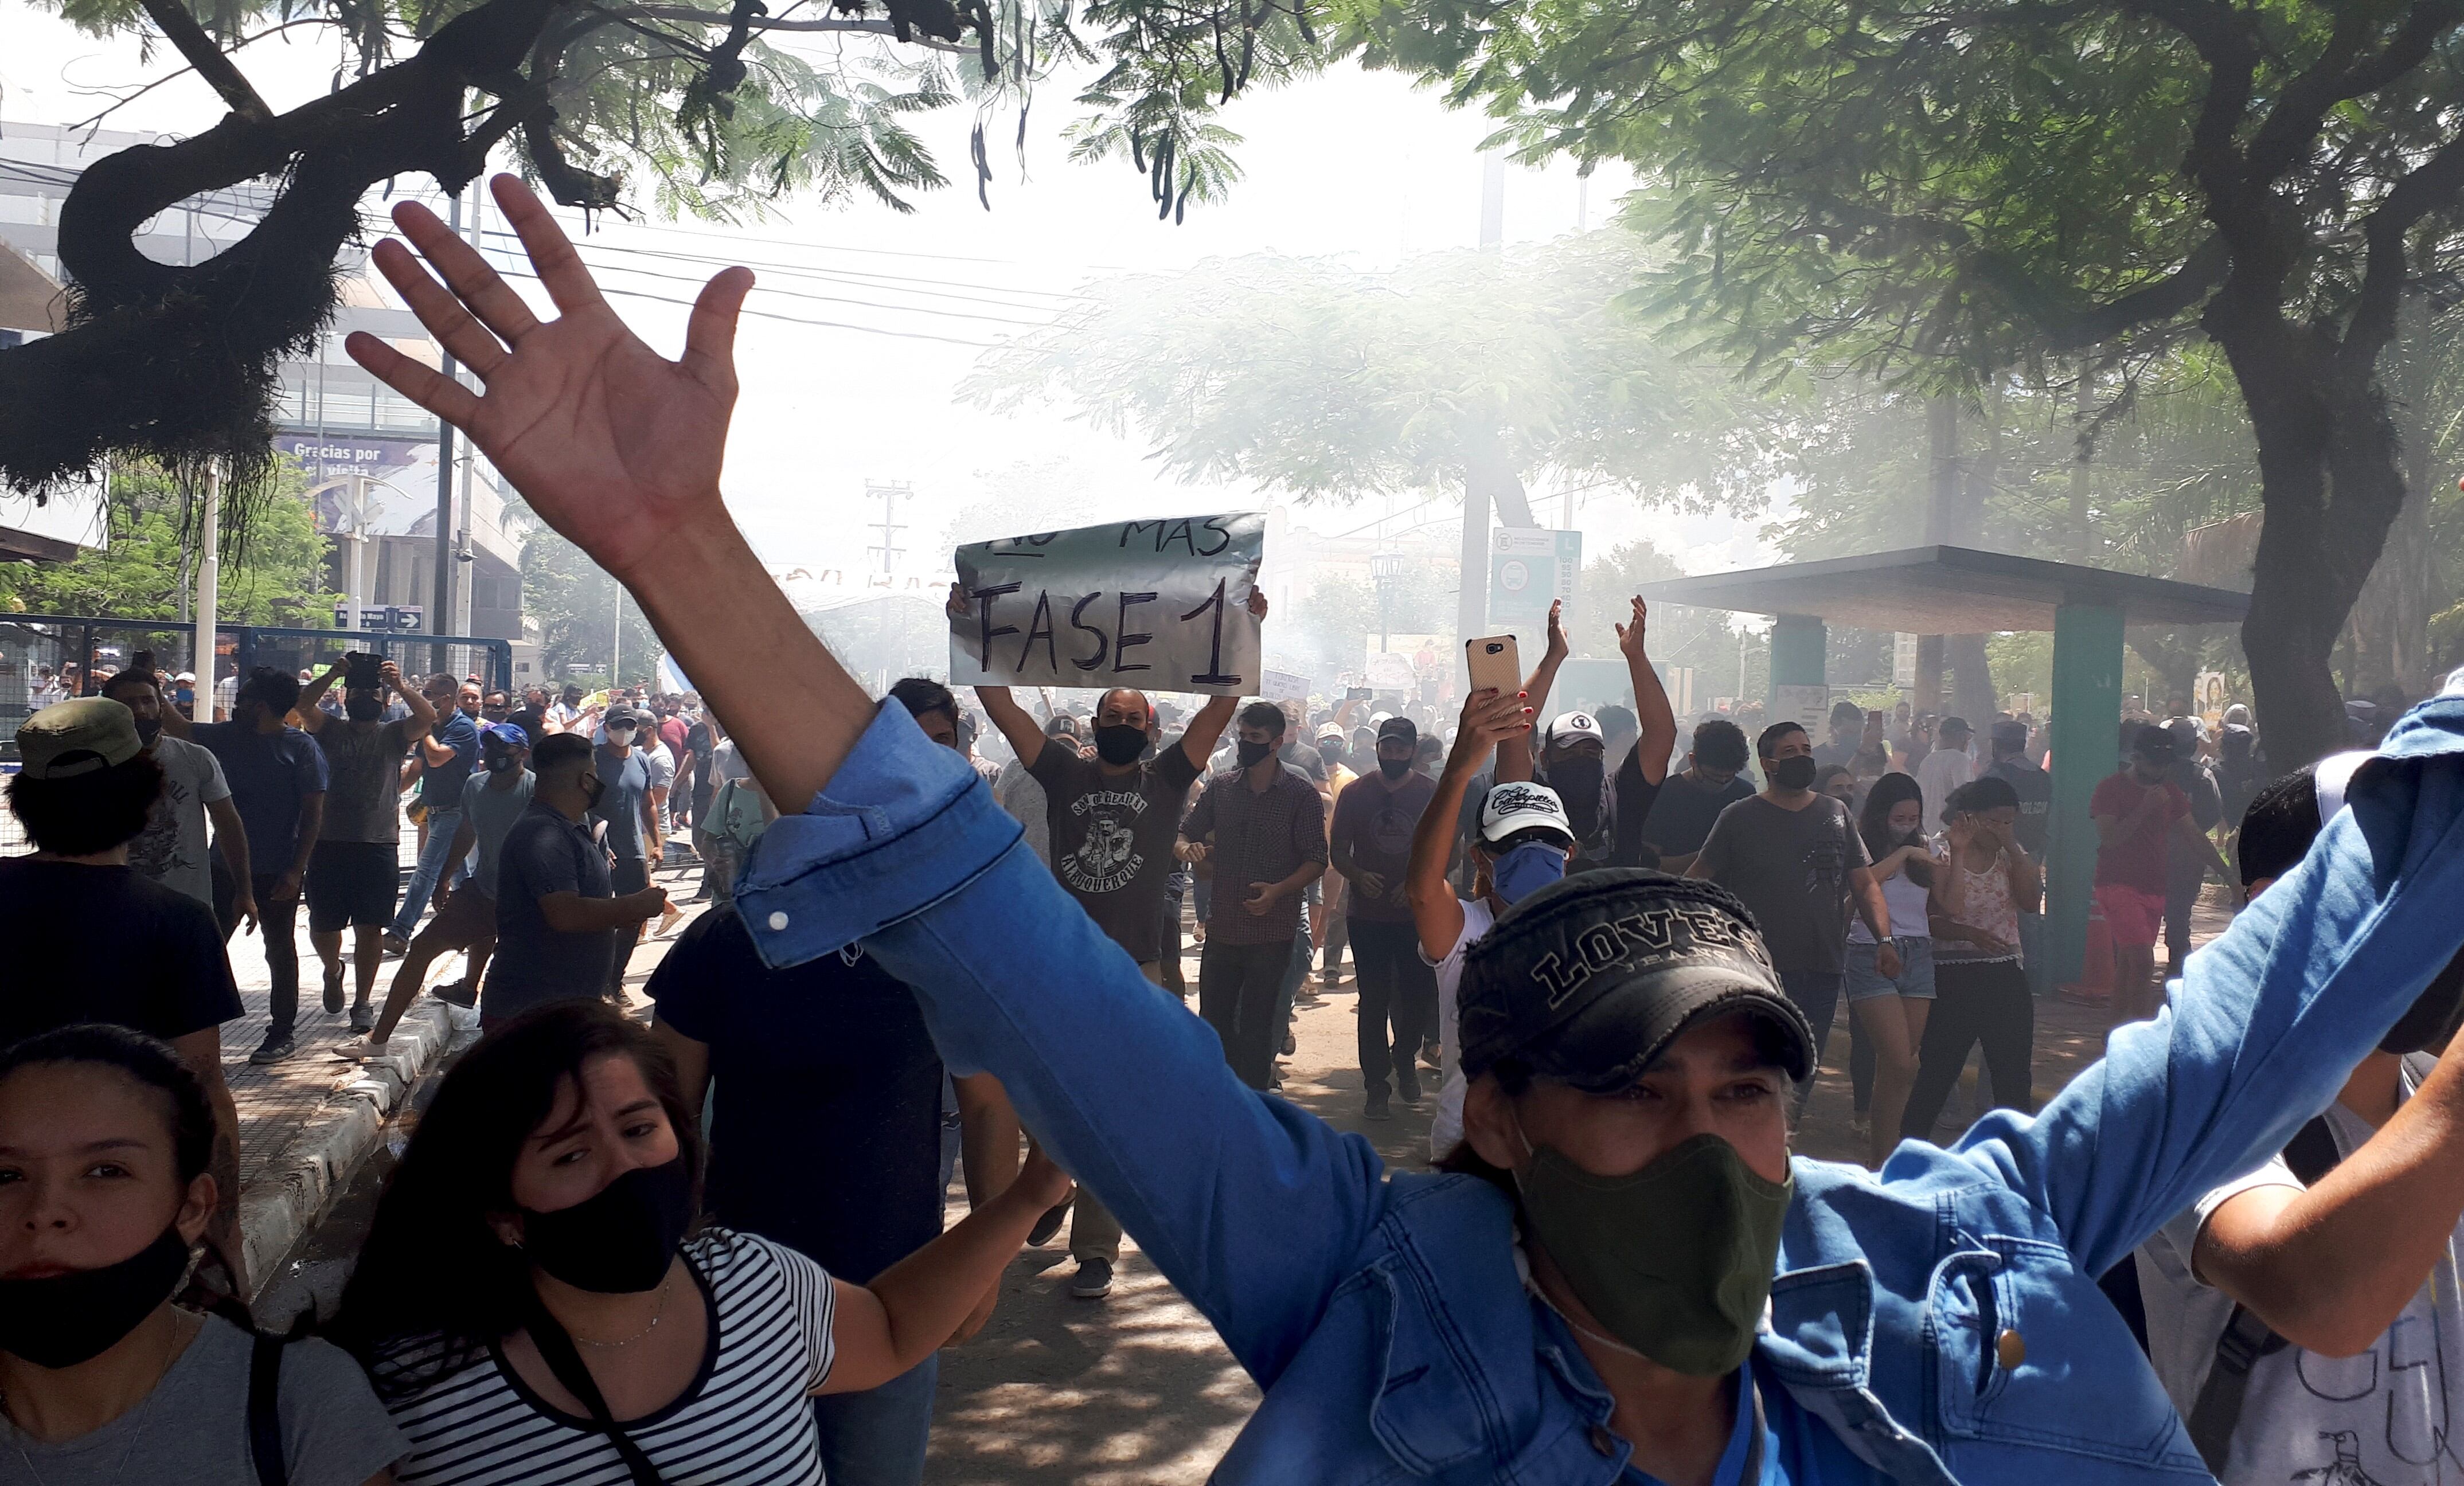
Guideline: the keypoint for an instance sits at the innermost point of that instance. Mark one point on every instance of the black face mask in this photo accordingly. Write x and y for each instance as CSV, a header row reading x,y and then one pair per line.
x,y
1576,780
1792,774
1252,754
1119,743
591,789
1394,768
149,729
620,1241
68,1319
363,708
502,763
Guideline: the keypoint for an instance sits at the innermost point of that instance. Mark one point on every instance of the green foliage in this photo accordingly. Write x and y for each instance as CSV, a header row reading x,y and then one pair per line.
x,y
575,603
1329,382
1892,183
278,578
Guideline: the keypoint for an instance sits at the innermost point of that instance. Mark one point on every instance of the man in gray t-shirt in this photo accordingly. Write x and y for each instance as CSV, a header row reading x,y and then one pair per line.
x,y
1795,859
172,847
356,872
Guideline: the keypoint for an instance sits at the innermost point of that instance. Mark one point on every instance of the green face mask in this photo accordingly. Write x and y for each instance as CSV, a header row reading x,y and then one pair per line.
x,y
1675,1260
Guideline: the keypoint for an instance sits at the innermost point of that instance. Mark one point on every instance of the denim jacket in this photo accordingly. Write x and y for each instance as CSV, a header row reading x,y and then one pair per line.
x,y
1940,1316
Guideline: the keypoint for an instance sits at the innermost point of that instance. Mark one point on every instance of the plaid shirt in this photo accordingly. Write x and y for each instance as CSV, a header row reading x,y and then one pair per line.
x,y
1259,837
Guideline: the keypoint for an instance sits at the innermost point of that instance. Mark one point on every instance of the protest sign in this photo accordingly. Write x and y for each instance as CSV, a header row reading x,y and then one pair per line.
x,y
1285,686
1159,605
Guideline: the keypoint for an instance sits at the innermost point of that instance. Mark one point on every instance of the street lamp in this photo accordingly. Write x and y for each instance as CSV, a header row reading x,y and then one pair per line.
x,y
1384,569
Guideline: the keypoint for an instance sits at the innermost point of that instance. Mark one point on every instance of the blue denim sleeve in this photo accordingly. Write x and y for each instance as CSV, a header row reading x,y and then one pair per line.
x,y
1254,1210
2269,1020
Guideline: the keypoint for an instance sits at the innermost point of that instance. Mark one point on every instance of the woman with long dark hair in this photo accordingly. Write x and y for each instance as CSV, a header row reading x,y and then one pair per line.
x,y
1891,1010
536,1302
123,1356
1984,997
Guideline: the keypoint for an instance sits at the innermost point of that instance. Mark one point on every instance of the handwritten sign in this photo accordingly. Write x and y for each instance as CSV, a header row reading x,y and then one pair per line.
x,y
1160,605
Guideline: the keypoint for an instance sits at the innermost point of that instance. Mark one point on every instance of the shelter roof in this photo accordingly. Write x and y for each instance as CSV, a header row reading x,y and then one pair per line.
x,y
1949,591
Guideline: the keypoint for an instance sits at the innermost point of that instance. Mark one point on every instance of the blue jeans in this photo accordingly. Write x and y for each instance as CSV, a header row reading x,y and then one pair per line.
x,y
1817,994
877,1437
441,826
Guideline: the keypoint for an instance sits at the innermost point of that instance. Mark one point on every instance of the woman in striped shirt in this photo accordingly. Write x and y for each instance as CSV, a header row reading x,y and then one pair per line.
x,y
534,1303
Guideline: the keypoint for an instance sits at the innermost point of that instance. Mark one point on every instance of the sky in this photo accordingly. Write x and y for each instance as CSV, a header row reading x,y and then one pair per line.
x,y
1350,165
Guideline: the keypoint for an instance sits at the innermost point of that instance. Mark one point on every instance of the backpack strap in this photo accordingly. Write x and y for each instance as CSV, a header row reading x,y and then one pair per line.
x,y
557,1350
2312,1154
265,1410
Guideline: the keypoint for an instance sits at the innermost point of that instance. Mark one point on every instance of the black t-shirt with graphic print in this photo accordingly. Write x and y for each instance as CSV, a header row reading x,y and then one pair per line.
x,y
1112,837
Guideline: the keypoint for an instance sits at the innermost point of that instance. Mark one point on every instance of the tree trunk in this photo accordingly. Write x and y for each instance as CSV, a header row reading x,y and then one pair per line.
x,y
2332,487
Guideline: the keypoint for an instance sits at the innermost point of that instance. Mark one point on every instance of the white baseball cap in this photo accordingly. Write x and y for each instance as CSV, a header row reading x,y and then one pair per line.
x,y
1518,806
1573,728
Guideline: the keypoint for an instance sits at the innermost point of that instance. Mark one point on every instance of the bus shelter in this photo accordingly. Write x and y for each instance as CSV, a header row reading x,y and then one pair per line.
x,y
1959,591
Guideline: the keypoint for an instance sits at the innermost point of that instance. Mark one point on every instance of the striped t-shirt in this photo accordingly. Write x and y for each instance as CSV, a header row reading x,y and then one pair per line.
x,y
745,1420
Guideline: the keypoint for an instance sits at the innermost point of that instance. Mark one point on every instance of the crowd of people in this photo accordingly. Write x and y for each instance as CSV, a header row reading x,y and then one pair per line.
x,y
712,1249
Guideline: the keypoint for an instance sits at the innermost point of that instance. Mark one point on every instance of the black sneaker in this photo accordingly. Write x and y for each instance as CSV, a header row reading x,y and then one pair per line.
x,y
274,1050
457,992
1407,1088
363,1017
1291,1046
1049,1223
1378,1107
333,990
1094,1279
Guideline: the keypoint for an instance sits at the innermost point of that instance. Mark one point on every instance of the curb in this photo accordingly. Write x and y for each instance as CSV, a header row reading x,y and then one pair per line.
x,y
284,1203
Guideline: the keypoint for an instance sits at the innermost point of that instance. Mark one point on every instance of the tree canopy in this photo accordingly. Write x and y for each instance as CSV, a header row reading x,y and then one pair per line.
x,y
279,579
684,107
1332,381
1939,195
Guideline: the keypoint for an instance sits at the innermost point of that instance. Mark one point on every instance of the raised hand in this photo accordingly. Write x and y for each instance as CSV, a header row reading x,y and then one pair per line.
x,y
613,445
1630,635
1557,646
1489,717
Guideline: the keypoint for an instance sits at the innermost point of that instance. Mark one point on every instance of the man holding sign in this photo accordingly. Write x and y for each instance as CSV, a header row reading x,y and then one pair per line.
x,y
1113,818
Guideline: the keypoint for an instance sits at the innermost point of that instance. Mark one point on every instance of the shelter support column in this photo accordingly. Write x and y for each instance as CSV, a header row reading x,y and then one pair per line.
x,y
1799,649
2086,726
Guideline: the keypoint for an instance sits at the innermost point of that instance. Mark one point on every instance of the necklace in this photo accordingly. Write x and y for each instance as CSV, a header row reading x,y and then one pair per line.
x,y
663,1287
171,1353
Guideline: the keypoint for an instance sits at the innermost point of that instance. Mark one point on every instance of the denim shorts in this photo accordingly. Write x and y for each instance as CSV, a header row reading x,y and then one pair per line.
x,y
1916,972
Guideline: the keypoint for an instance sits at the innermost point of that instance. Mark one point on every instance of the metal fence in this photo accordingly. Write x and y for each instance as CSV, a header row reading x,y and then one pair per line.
x,y
45,658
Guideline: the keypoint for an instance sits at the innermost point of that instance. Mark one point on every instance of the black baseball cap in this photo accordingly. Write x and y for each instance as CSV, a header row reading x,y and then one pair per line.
x,y
1400,727
2009,732
2154,743
1589,979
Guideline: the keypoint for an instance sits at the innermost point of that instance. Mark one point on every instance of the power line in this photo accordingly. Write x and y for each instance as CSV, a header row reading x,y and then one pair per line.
x,y
940,288
792,319
821,296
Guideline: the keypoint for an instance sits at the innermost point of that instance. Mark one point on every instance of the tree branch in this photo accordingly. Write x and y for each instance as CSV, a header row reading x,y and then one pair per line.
x,y
2284,139
2435,185
174,20
695,15
2157,302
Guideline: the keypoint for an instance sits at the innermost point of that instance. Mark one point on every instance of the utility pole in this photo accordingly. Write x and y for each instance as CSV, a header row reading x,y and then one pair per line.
x,y
888,526
210,581
1492,203
440,612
